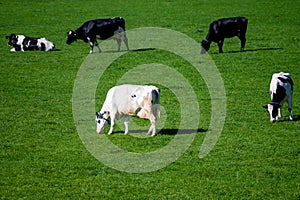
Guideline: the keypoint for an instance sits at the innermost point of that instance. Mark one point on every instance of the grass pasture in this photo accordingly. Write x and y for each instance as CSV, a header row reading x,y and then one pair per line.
x,y
42,156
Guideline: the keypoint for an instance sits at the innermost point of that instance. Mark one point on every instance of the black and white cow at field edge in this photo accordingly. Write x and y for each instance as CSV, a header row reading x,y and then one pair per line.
x,y
281,90
110,28
129,100
225,28
24,43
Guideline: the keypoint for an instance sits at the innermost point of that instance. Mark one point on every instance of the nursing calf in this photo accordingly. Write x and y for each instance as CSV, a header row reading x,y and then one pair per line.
x,y
129,100
281,90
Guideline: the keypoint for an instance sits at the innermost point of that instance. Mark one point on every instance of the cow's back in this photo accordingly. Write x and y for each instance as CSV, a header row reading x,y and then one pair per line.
x,y
228,27
103,28
118,98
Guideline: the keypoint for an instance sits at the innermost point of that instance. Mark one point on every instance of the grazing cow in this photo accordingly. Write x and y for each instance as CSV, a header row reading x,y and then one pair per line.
x,y
129,100
24,43
225,28
281,90
111,28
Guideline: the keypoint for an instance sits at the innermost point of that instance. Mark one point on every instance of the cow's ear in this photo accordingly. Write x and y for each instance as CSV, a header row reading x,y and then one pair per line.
x,y
6,37
266,106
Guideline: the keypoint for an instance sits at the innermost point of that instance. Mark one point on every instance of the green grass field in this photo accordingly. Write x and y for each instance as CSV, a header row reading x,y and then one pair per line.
x,y
43,157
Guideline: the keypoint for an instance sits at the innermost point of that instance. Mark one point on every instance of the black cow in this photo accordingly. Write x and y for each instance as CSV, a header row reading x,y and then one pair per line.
x,y
25,43
110,28
225,28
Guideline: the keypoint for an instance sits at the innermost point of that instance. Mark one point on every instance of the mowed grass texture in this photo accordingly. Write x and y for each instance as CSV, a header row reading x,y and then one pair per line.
x,y
42,156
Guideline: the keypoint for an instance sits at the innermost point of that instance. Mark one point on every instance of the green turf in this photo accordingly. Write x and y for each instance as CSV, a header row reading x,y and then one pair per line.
x,y
42,156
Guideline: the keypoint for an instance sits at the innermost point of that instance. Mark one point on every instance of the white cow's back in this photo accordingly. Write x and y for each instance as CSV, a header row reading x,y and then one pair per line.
x,y
126,99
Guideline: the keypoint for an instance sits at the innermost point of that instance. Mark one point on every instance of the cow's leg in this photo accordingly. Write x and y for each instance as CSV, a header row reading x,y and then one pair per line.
x,y
243,41
97,45
91,47
112,123
290,107
220,45
125,40
152,130
126,122
92,42
279,114
118,38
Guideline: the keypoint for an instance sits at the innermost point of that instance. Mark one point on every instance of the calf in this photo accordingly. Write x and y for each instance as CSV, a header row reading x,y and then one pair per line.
x,y
24,43
281,90
111,28
225,28
129,100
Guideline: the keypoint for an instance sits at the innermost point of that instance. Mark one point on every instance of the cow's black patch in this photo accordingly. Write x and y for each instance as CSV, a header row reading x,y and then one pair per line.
x,y
279,95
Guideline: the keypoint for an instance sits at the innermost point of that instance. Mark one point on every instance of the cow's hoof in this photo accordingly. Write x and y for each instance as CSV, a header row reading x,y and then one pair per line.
x,y
149,134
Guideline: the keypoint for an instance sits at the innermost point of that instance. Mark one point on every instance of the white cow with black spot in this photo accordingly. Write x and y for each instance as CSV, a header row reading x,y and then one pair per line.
x,y
127,100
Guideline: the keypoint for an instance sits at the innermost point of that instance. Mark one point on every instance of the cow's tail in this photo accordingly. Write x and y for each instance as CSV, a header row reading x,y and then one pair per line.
x,y
155,100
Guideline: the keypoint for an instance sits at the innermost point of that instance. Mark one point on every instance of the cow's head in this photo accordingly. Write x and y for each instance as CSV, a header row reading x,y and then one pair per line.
x,y
273,108
12,39
102,121
205,44
72,36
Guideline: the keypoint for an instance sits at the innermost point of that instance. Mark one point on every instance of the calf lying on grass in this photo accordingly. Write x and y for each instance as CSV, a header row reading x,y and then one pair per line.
x,y
24,43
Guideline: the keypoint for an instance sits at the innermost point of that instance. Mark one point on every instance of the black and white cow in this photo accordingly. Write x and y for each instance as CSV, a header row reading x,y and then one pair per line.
x,y
281,90
24,43
225,28
142,101
110,28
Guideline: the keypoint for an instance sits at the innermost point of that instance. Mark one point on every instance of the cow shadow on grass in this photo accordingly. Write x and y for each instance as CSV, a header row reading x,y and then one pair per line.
x,y
287,119
180,131
250,50
133,50
257,49
167,131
